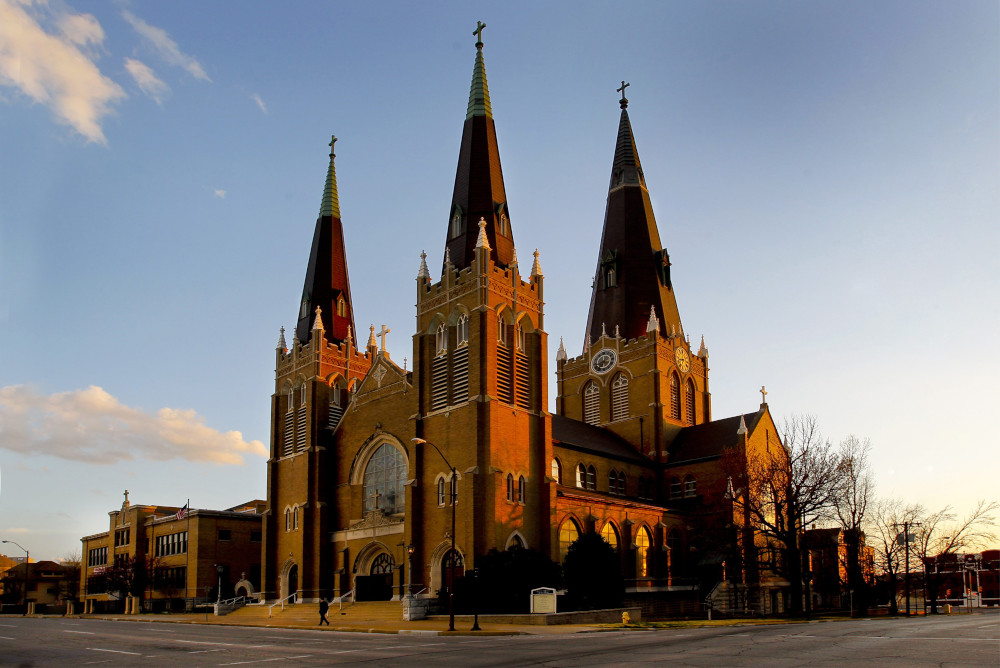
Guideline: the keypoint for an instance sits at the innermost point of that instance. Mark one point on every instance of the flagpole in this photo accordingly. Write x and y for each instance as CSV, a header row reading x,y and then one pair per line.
x,y
187,551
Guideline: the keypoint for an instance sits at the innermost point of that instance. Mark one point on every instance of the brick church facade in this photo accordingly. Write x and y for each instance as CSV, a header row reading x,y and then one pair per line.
x,y
367,457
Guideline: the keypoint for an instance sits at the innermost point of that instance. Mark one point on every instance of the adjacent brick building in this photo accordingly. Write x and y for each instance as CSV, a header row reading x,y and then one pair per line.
x,y
167,557
366,453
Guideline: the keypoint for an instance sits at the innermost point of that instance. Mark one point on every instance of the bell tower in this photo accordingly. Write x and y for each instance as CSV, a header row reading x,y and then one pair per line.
x,y
314,378
480,351
638,375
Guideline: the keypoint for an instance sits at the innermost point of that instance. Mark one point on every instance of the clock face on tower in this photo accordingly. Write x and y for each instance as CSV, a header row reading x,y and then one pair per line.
x,y
682,360
604,361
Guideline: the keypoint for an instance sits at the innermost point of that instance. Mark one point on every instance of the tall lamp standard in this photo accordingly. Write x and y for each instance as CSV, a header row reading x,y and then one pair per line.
x,y
454,498
27,560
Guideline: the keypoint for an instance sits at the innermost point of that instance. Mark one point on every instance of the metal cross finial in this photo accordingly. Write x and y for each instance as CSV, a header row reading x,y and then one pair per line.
x,y
333,141
763,395
478,32
385,330
126,496
624,101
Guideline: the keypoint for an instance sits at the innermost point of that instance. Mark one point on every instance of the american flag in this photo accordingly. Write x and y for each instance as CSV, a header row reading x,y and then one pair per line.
x,y
182,513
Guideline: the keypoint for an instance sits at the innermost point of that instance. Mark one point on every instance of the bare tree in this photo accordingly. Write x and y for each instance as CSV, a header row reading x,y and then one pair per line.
x,y
882,524
943,532
69,584
856,493
783,489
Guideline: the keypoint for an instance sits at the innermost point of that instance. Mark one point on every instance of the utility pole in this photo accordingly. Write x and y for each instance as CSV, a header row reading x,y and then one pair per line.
x,y
906,547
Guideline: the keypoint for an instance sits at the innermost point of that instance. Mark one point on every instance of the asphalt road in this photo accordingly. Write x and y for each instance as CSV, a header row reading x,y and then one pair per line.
x,y
958,640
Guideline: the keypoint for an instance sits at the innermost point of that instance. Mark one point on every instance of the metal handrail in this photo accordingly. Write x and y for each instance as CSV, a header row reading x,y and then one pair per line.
x,y
234,601
425,589
340,599
292,596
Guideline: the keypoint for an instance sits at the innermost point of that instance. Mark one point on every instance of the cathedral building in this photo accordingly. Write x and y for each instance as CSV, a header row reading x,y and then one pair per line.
x,y
369,459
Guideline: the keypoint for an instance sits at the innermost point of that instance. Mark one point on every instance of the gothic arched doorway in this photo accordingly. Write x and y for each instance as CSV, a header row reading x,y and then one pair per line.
x,y
377,585
446,570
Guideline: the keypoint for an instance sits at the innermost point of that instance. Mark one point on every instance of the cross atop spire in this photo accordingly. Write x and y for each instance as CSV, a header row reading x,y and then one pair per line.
x,y
478,32
624,101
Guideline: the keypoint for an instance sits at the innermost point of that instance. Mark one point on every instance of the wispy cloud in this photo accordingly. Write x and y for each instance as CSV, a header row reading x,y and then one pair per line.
x,y
92,426
165,46
57,69
260,103
221,194
147,81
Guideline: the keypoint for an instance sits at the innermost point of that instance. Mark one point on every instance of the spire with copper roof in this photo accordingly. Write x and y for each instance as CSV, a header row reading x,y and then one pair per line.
x,y
479,190
327,285
632,286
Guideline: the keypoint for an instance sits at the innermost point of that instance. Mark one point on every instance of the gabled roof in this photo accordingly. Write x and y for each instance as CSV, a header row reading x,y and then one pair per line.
x,y
710,439
587,438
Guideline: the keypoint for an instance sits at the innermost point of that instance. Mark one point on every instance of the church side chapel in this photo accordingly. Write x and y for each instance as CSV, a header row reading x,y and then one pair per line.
x,y
383,481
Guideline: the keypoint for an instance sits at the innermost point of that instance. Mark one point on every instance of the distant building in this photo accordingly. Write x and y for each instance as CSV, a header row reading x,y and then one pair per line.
x,y
48,584
964,580
828,559
166,557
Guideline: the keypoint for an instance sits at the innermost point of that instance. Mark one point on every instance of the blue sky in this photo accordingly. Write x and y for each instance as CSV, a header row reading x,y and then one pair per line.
x,y
824,174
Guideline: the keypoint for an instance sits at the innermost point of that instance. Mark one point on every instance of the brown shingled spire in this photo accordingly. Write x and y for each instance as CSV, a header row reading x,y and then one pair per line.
x,y
327,285
479,190
633,269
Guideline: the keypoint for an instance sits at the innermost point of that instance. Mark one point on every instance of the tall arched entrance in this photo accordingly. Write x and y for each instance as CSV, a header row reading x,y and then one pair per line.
x,y
377,584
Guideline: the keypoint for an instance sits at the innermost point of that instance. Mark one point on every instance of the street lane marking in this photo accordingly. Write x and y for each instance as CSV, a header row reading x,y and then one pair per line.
x,y
9,626
89,633
279,658
116,651
7,638
205,651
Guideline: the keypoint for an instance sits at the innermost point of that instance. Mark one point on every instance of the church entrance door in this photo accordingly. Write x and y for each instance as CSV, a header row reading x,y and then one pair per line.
x,y
377,585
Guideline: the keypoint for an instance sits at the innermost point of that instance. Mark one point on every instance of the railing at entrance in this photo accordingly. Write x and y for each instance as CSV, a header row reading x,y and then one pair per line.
x,y
290,598
340,599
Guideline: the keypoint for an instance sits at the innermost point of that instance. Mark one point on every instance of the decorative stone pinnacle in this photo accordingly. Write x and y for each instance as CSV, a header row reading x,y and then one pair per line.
x,y
536,268
653,326
281,341
371,337
604,332
617,332
481,240
561,353
703,351
318,323
513,260
447,255
423,272
350,337
743,427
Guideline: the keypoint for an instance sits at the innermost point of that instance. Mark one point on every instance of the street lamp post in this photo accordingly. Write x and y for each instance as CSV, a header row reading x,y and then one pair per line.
x,y
27,560
451,556
475,599
218,569
409,570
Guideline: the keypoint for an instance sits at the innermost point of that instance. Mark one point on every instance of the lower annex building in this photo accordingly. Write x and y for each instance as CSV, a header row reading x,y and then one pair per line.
x,y
367,457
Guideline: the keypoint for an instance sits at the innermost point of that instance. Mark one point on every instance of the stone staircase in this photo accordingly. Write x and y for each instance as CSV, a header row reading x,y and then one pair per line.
x,y
307,614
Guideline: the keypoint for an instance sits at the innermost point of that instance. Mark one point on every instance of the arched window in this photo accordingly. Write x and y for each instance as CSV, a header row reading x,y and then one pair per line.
x,y
452,557
503,224
689,401
462,330
385,477
675,488
642,544
613,482
510,487
291,399
440,486
619,397
621,484
441,339
591,478
568,533
456,225
295,518
341,306
516,543
522,490
610,535
520,337
501,329
592,403
690,487
288,519
675,397
556,471
609,276
581,476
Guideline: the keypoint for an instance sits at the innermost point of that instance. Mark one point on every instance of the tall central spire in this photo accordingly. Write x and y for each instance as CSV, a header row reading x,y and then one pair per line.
x,y
479,191
327,285
633,269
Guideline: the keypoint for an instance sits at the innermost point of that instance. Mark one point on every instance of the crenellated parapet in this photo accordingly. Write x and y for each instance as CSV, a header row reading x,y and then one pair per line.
x,y
319,358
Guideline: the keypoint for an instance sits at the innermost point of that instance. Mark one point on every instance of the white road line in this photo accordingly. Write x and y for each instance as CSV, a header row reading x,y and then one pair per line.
x,y
7,638
988,626
205,651
116,651
88,633
9,626
278,658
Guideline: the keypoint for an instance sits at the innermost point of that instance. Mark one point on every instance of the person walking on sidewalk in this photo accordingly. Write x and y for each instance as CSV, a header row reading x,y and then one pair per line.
x,y
323,608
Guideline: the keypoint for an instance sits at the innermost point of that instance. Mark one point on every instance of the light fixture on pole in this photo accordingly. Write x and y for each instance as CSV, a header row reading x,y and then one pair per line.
x,y
452,556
